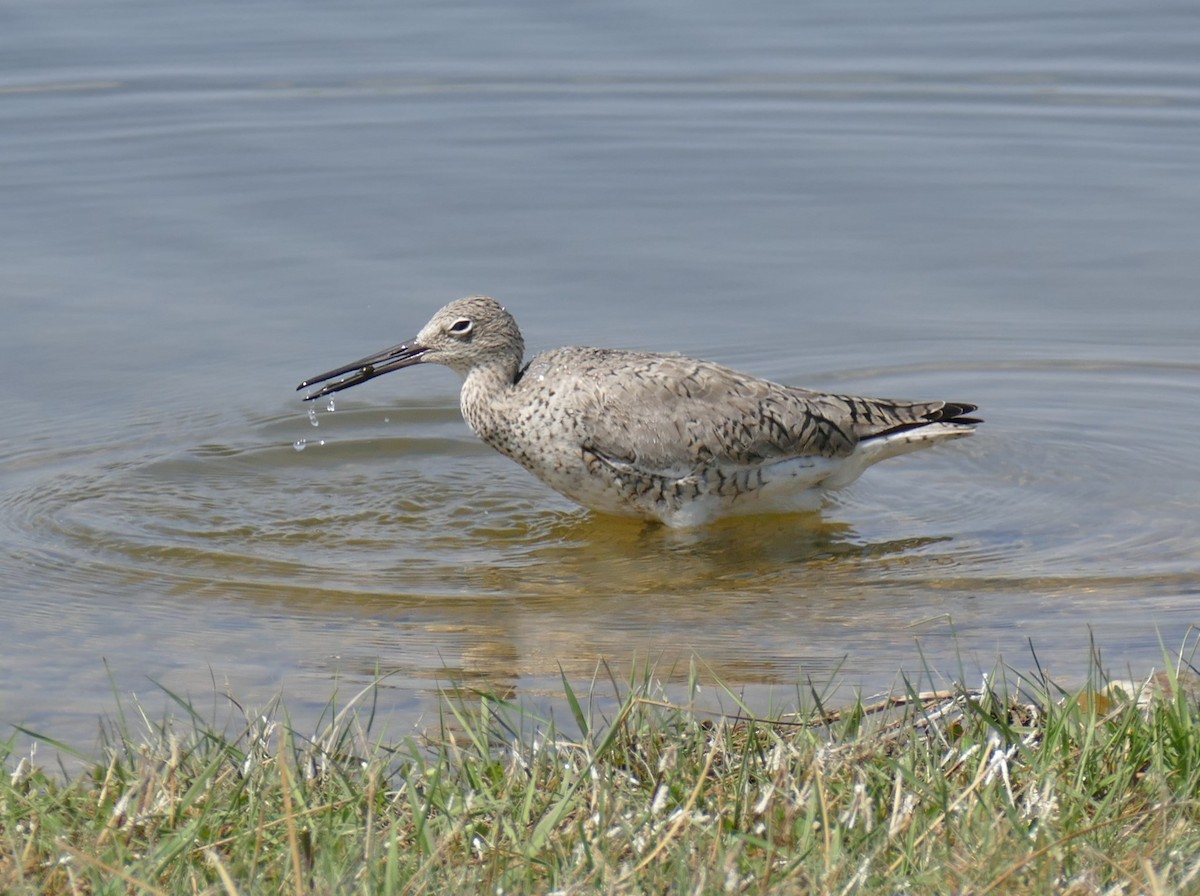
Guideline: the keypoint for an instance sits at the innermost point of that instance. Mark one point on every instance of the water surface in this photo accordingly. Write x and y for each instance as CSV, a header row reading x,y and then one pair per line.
x,y
203,206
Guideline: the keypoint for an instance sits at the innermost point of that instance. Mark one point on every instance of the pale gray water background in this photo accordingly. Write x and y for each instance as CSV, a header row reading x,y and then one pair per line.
x,y
205,203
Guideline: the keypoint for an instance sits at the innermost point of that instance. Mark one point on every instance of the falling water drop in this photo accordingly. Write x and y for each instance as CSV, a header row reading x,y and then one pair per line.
x,y
312,417
329,407
300,444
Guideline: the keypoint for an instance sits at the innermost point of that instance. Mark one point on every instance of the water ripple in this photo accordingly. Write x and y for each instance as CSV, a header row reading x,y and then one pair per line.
x,y
1074,475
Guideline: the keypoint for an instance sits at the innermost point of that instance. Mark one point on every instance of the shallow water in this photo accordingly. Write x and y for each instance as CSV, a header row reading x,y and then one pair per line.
x,y
993,208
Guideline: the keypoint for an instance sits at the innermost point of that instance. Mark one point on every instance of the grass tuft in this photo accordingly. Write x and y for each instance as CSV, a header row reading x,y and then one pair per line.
x,y
1003,788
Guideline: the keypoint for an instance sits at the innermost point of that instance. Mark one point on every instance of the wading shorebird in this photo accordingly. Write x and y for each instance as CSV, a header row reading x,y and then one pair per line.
x,y
657,436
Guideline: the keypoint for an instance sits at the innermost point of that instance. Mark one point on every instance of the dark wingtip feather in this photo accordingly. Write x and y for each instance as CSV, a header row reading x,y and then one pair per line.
x,y
954,412
947,412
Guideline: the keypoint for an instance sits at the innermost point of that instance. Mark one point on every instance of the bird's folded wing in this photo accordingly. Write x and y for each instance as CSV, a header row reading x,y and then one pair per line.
x,y
670,415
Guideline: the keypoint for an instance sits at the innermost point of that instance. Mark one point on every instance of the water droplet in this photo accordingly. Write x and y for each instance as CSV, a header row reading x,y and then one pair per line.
x,y
320,442
312,417
300,444
387,419
329,407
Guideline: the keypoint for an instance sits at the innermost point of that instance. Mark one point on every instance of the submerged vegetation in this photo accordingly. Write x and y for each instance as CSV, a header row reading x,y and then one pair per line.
x,y
1006,788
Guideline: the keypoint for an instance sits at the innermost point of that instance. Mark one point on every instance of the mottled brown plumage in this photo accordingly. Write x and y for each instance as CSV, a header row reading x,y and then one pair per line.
x,y
658,436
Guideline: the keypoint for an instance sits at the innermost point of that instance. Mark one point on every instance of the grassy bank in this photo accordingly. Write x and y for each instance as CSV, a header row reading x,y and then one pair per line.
x,y
1028,790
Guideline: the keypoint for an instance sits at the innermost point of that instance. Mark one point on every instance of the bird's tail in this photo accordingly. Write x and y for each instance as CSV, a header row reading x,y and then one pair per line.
x,y
939,422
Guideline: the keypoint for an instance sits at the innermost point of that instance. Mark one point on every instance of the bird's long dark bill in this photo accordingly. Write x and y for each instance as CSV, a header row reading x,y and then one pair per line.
x,y
404,355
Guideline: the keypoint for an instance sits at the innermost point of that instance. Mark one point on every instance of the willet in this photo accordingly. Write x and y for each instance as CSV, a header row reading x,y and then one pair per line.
x,y
657,436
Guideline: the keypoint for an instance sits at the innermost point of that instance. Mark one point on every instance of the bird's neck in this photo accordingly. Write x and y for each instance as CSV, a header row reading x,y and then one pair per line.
x,y
485,394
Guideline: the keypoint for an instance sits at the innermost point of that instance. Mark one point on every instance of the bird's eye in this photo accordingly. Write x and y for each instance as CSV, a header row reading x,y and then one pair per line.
x,y
461,327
